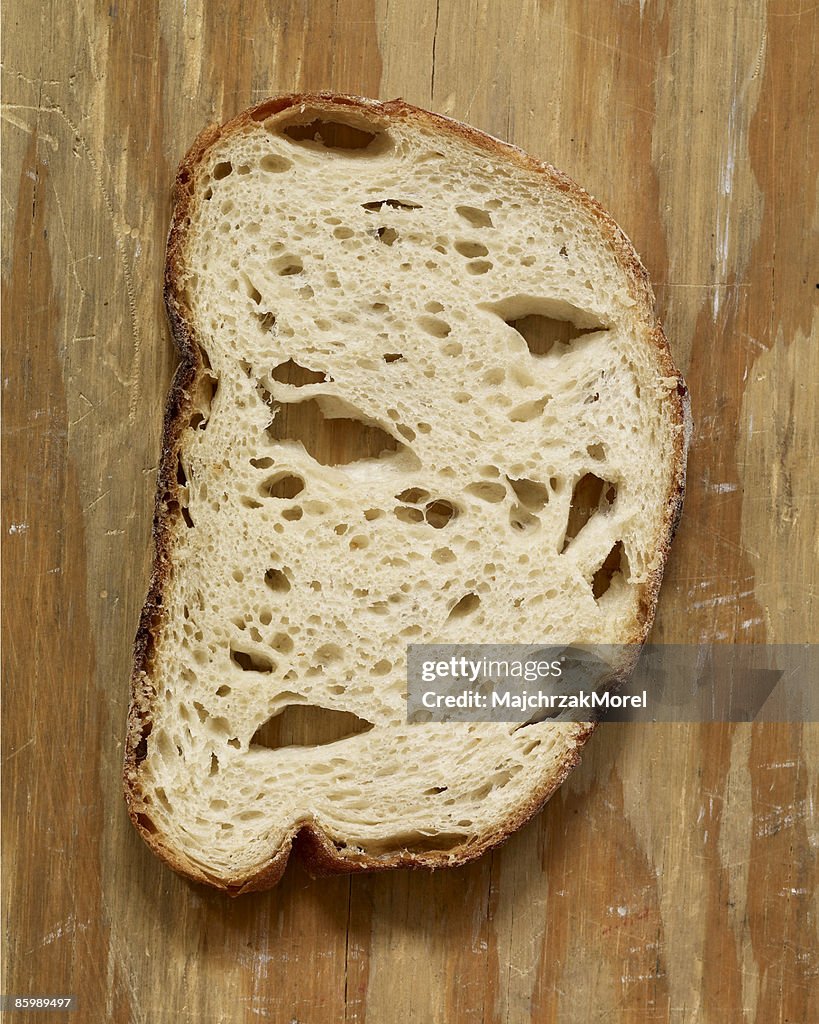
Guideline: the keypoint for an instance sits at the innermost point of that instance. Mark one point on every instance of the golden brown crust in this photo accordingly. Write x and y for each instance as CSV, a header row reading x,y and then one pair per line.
x,y
316,849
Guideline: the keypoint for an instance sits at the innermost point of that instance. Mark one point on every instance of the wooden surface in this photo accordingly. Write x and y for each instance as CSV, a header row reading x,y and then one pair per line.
x,y
674,876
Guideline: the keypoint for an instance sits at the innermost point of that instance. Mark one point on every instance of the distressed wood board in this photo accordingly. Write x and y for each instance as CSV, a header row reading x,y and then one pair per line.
x,y
674,876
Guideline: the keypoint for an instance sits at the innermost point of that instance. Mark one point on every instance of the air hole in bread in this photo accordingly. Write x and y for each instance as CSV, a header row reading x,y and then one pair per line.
x,y
530,493
283,643
591,495
443,556
440,513
328,654
264,463
478,266
521,519
615,562
267,321
498,781
141,749
596,451
546,323
546,334
251,661
527,411
413,495
522,375
287,265
408,515
174,507
274,164
293,514
282,485
277,580
308,725
471,249
330,135
331,440
252,291
222,170
468,604
395,204
202,399
472,215
386,235
487,491
146,823
343,232
296,375
434,325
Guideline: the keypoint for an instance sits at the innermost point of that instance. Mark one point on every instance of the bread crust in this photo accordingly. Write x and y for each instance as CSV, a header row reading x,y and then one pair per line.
x,y
309,841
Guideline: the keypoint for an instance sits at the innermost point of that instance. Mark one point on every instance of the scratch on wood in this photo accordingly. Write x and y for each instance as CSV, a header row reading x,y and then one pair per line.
x,y
23,125
777,818
85,415
760,55
97,500
17,750
615,48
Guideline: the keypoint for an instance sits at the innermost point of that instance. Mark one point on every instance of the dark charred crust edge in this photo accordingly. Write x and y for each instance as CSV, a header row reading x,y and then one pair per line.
x,y
316,849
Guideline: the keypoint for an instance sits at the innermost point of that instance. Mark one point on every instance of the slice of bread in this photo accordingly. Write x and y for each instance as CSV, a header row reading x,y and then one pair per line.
x,y
423,397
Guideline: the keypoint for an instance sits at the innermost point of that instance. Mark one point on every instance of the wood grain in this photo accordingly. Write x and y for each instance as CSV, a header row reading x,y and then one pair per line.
x,y
674,876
